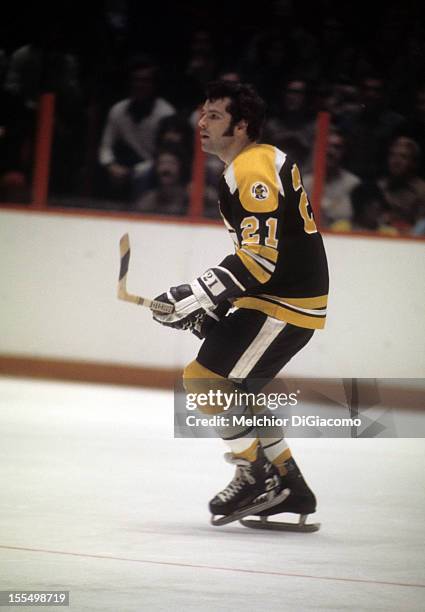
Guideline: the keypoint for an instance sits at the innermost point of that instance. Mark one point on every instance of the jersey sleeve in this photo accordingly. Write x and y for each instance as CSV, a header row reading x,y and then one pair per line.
x,y
254,214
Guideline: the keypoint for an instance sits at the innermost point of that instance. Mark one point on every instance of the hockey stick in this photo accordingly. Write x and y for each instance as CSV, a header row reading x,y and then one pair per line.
x,y
122,282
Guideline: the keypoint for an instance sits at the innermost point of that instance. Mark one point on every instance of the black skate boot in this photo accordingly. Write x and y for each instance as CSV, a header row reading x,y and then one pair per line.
x,y
255,486
301,500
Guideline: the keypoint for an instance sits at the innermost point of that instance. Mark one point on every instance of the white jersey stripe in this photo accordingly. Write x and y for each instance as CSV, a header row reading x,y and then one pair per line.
x,y
310,311
232,276
270,329
229,177
264,262
279,161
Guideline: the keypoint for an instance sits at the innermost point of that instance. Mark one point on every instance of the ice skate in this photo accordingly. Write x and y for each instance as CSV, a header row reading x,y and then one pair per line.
x,y
301,501
255,487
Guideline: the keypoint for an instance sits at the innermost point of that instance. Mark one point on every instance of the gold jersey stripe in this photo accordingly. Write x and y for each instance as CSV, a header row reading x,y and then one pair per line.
x,y
321,301
256,270
256,166
280,312
264,251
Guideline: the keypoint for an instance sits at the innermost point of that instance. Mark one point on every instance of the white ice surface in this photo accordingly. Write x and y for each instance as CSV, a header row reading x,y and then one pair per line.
x,y
98,498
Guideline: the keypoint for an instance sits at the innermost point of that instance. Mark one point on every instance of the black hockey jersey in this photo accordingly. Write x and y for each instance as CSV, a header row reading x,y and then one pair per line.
x,y
279,261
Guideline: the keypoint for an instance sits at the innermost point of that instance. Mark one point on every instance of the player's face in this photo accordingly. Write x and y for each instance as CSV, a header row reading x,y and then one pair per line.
x,y
214,126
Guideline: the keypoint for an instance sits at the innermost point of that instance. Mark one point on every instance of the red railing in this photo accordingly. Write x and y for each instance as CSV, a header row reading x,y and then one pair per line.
x,y
43,148
196,204
319,163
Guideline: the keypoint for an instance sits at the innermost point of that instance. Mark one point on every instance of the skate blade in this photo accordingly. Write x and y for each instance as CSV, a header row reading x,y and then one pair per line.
x,y
263,523
253,509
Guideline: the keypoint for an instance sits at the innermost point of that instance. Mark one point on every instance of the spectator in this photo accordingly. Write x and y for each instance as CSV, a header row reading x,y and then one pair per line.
x,y
415,125
403,189
347,105
171,190
371,130
172,130
44,64
368,206
175,129
339,183
291,127
171,196
419,227
128,138
369,210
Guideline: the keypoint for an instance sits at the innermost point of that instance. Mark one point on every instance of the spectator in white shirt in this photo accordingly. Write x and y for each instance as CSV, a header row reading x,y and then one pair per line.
x,y
339,183
128,139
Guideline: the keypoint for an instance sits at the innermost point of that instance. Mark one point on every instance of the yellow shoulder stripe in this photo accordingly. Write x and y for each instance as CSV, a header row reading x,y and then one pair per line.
x,y
256,178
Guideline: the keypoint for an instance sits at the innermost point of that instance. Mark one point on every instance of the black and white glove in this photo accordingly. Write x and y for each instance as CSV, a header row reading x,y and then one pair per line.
x,y
200,305
187,312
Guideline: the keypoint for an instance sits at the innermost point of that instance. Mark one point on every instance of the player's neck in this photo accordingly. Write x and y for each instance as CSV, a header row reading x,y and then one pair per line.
x,y
234,149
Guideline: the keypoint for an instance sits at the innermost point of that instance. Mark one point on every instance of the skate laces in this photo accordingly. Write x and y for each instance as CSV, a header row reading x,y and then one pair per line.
x,y
242,476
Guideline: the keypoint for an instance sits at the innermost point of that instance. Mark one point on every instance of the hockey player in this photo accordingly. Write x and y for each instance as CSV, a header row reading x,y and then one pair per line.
x,y
259,306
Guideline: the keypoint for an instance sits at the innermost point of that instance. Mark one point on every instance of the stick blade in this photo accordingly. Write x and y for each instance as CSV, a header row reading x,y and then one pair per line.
x,y
122,292
124,259
124,244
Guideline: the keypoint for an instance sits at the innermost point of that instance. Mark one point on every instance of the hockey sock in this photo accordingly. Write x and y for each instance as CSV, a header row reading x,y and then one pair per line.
x,y
244,448
277,452
272,439
241,437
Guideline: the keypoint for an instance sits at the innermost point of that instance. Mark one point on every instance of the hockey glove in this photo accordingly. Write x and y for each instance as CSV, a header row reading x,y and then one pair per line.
x,y
188,314
207,323
195,304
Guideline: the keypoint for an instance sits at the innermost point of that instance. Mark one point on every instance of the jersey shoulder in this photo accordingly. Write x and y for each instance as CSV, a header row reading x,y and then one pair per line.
x,y
255,175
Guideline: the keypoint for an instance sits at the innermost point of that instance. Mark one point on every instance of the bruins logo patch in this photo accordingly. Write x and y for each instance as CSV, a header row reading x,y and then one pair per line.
x,y
259,191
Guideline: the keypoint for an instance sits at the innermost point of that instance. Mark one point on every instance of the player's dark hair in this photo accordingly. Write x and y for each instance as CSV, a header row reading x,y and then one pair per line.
x,y
245,104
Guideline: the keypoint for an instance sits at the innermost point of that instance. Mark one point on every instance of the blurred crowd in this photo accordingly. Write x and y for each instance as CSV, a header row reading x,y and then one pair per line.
x,y
128,87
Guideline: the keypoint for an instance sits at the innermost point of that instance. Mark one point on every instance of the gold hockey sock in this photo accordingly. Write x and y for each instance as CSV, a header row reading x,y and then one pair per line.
x,y
249,448
241,439
277,452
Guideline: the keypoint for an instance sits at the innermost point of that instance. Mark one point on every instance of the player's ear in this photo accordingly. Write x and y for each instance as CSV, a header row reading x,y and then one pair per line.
x,y
242,125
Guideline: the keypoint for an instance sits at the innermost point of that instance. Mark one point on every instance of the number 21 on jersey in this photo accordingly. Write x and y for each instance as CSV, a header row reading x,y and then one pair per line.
x,y
250,234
